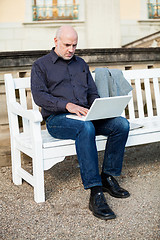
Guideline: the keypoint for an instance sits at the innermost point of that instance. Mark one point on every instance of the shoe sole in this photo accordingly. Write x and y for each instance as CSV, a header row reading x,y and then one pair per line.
x,y
116,196
102,217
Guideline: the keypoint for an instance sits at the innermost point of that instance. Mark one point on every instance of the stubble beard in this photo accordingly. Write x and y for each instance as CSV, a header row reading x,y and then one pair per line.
x,y
59,54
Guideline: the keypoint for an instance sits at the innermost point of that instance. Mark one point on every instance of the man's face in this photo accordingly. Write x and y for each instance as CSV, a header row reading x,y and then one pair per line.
x,y
65,45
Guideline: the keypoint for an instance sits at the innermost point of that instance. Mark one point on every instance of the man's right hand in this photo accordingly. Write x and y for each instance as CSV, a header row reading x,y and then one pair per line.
x,y
73,108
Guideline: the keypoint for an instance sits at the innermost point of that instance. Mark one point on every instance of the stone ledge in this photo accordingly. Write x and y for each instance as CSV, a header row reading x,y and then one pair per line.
x,y
24,59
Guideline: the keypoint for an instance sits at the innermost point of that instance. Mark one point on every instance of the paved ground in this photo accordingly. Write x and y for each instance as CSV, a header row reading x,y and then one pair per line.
x,y
65,214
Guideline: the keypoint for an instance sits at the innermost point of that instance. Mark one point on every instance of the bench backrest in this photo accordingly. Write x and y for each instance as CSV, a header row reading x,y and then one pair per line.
x,y
145,101
146,92
18,90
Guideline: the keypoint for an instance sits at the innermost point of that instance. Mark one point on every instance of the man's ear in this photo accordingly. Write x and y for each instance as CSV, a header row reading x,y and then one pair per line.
x,y
55,41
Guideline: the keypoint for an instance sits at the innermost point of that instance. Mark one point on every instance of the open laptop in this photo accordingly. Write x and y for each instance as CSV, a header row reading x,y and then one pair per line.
x,y
107,107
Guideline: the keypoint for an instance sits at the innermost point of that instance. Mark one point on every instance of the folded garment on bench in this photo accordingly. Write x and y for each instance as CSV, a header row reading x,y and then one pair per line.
x,y
111,82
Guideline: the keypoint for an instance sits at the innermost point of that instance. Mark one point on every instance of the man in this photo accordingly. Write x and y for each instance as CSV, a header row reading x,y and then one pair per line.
x,y
62,84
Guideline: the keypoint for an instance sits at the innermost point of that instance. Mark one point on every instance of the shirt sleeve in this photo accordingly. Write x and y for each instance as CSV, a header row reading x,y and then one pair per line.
x,y
92,89
41,94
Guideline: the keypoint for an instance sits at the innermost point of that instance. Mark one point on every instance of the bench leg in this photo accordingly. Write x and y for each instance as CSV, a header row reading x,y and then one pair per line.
x,y
16,164
38,168
38,175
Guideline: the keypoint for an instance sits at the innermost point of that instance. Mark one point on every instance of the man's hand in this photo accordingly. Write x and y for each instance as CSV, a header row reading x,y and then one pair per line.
x,y
73,108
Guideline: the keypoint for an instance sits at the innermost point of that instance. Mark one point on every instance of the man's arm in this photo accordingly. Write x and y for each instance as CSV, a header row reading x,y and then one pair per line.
x,y
41,94
92,89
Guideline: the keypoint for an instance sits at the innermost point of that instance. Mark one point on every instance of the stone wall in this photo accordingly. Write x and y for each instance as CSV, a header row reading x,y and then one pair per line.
x,y
21,60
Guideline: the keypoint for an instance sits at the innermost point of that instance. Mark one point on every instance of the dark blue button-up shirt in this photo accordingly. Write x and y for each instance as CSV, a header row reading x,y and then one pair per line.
x,y
56,82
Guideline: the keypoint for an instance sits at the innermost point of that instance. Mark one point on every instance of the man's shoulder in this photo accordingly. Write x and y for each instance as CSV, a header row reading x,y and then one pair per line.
x,y
43,59
79,59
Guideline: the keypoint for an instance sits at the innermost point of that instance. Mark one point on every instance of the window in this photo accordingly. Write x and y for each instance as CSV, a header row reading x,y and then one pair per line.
x,y
55,10
154,9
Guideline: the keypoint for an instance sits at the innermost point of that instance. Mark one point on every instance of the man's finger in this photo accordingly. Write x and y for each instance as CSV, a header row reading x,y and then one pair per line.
x,y
81,113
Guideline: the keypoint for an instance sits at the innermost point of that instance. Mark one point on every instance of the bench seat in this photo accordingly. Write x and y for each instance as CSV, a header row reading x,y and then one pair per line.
x,y
148,132
148,125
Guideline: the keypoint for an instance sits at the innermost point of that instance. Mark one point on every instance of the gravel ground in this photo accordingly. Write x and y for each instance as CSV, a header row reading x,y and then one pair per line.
x,y
65,214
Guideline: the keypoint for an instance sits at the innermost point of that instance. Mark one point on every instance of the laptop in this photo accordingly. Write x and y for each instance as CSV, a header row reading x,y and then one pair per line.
x,y
107,107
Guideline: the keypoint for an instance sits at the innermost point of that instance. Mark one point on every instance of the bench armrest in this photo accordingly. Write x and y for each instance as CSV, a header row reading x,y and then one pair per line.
x,y
32,115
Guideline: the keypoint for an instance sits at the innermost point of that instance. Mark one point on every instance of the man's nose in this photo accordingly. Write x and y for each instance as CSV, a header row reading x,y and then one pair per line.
x,y
71,48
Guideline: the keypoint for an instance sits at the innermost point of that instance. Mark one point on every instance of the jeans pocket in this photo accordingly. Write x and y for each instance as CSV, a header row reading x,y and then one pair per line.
x,y
49,118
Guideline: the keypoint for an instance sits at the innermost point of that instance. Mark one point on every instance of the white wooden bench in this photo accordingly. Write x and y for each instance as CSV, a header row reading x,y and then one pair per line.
x,y
45,151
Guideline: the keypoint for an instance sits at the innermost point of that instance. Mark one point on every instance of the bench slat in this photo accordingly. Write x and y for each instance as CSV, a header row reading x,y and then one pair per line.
x,y
142,73
23,102
23,99
22,83
148,97
131,105
157,95
139,98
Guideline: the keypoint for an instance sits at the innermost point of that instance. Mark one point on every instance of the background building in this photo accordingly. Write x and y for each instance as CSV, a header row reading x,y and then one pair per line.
x,y
31,24
28,25
139,18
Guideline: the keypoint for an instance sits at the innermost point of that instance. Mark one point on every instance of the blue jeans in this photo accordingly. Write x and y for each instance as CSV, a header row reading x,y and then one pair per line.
x,y
84,132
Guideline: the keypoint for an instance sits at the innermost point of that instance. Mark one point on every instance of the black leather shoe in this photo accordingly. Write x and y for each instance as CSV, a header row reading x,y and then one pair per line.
x,y
100,208
110,185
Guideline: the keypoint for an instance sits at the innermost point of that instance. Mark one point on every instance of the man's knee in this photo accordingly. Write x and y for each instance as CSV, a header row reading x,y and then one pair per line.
x,y
88,128
123,125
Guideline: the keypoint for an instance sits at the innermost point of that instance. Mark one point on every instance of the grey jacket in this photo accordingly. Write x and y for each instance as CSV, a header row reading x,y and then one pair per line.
x,y
111,82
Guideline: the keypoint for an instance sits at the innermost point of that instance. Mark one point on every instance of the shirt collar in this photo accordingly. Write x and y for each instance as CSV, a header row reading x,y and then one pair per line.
x,y
55,57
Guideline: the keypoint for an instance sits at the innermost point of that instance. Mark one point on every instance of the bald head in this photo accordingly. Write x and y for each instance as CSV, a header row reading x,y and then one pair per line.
x,y
65,30
66,42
